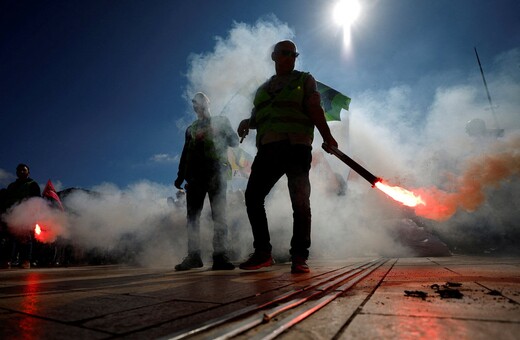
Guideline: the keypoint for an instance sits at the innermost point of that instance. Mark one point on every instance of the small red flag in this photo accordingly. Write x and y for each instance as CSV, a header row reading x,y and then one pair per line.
x,y
50,193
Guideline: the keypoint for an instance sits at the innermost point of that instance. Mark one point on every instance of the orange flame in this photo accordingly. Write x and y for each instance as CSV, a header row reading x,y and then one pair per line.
x,y
45,231
401,195
39,232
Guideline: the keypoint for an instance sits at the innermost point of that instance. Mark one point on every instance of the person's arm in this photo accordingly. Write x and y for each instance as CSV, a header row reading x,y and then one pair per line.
x,y
231,136
312,104
181,174
245,125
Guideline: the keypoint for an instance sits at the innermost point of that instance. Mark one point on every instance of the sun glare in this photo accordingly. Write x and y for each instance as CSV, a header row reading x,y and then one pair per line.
x,y
346,12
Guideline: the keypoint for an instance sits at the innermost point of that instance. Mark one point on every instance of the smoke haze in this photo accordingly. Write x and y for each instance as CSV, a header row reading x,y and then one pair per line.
x,y
387,132
475,178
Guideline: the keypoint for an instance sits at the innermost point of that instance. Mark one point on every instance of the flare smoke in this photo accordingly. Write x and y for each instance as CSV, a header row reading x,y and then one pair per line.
x,y
482,172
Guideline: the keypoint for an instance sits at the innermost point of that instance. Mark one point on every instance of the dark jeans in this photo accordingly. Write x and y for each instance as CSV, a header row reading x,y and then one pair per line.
x,y
215,187
16,249
272,161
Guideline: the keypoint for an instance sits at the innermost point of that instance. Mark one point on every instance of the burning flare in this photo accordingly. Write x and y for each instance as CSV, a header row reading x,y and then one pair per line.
x,y
399,194
490,169
38,233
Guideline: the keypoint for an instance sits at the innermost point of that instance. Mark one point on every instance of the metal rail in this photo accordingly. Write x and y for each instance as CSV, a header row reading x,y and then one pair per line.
x,y
252,321
265,316
281,326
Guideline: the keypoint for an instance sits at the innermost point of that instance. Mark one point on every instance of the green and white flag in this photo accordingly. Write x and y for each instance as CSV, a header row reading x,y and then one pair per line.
x,y
332,101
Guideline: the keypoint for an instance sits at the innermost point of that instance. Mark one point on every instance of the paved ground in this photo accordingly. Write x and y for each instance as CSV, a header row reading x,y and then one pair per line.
x,y
458,297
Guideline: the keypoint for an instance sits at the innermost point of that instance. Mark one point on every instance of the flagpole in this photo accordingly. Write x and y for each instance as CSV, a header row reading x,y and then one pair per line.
x,y
487,90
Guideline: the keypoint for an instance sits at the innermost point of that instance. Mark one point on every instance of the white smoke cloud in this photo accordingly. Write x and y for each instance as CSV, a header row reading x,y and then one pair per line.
x,y
465,174
22,218
133,224
138,216
238,64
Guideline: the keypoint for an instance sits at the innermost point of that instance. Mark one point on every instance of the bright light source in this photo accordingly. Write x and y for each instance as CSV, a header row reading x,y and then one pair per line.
x,y
346,12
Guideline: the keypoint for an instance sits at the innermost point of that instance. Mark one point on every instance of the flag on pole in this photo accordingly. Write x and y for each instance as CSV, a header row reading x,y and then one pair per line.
x,y
240,162
50,193
332,101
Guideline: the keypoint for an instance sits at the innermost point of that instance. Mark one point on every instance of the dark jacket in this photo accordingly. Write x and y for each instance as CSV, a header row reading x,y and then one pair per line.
x,y
205,149
18,191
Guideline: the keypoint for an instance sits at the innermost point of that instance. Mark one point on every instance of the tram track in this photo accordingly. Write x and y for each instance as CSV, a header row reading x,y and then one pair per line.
x,y
307,300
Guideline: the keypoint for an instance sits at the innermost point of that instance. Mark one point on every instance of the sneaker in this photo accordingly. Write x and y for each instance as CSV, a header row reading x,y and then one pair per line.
x,y
221,262
299,266
189,262
257,260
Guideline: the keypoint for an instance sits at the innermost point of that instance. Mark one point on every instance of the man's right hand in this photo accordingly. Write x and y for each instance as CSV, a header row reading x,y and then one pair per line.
x,y
243,128
329,142
178,183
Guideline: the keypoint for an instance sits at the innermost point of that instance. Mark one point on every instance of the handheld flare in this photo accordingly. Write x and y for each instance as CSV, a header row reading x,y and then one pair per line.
x,y
352,164
399,194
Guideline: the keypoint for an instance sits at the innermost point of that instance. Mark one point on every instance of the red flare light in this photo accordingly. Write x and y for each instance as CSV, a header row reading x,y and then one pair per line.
x,y
432,203
39,233
45,231
399,194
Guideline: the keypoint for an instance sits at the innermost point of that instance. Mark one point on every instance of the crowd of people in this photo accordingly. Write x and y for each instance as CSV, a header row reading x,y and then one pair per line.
x,y
286,110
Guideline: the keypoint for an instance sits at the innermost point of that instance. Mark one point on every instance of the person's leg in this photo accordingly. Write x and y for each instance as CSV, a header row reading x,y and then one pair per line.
x,y
195,195
265,172
25,250
217,200
300,189
6,246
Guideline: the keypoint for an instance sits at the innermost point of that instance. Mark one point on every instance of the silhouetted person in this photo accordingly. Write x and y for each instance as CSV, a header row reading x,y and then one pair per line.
x,y
205,168
18,245
286,109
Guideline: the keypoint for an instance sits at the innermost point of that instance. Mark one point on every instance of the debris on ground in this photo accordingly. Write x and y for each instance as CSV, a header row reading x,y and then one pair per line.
x,y
446,292
416,293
